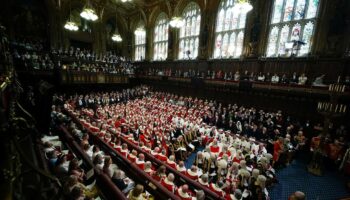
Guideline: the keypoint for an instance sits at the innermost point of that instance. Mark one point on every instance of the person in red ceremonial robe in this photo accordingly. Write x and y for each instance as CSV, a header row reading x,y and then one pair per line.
x,y
94,129
239,156
192,173
140,162
214,148
118,147
171,161
224,152
181,167
160,173
124,151
216,187
117,123
107,138
168,182
155,152
161,156
204,180
277,149
148,168
132,156
183,192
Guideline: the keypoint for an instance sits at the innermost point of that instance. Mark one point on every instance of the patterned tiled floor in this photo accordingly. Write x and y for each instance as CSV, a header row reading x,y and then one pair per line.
x,y
330,186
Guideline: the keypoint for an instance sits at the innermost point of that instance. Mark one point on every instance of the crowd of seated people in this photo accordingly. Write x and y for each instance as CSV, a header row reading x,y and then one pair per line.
x,y
179,125
30,54
87,60
32,60
67,168
88,55
122,68
241,145
28,44
75,176
232,76
275,78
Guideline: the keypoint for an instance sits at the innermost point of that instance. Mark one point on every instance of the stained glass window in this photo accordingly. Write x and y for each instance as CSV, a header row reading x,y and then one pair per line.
x,y
160,40
189,33
292,27
140,45
229,32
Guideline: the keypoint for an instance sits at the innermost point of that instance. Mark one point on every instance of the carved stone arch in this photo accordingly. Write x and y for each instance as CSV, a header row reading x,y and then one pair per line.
x,y
155,14
182,4
138,19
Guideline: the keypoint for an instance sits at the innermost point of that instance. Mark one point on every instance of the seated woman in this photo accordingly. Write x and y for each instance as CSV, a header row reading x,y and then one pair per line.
x,y
160,173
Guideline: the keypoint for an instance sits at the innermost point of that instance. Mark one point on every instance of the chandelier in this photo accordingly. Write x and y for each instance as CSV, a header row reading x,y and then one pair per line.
x,y
71,26
243,6
176,22
140,31
89,13
116,37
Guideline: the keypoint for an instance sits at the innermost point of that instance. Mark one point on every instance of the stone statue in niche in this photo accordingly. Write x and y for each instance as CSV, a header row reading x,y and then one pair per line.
x,y
254,37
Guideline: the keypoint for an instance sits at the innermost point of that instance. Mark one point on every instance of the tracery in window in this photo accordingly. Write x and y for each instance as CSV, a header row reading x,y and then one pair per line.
x,y
229,32
292,27
189,33
160,40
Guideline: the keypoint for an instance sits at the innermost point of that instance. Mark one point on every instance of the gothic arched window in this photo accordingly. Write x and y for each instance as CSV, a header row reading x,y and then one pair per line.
x,y
140,45
189,33
292,27
160,40
229,31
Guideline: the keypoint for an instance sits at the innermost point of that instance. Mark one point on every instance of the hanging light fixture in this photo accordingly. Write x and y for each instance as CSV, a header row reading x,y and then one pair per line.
x,y
89,13
243,6
116,36
70,25
176,22
140,31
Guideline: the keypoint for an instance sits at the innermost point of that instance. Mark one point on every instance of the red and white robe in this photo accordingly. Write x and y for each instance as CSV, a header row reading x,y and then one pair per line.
x,y
140,164
169,185
218,191
171,163
192,175
183,195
